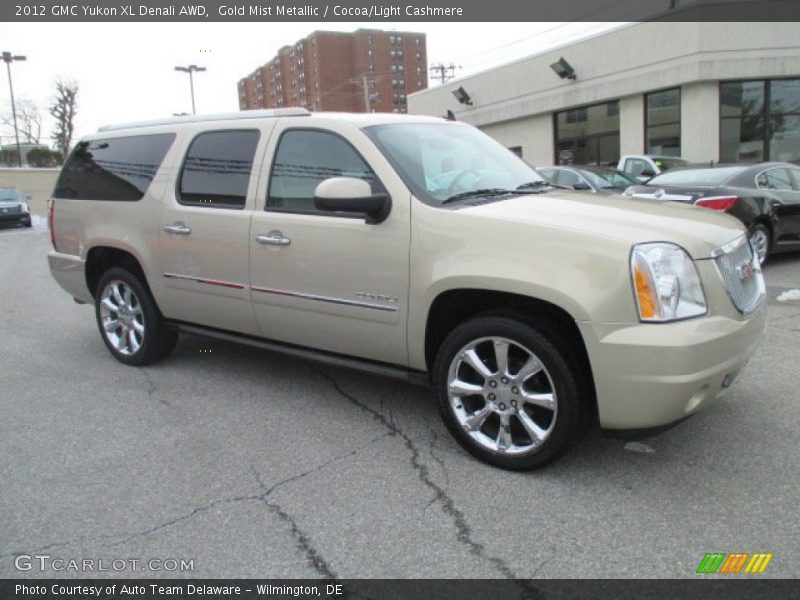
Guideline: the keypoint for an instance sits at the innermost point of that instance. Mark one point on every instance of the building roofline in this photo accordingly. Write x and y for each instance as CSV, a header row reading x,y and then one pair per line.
x,y
465,78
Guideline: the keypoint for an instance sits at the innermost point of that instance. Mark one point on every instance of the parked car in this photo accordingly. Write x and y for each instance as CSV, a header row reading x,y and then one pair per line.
x,y
332,237
590,179
14,207
765,197
645,166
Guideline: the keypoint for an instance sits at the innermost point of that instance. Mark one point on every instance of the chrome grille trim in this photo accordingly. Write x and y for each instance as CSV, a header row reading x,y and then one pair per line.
x,y
738,267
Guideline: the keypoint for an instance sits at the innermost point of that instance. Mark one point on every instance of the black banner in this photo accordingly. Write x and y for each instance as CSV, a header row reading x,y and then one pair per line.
x,y
398,589
378,11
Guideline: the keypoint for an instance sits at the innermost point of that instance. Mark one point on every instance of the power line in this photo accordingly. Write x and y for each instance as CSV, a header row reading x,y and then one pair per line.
x,y
445,72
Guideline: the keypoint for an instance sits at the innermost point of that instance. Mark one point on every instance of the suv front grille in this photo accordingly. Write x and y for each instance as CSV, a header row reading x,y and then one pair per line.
x,y
741,274
10,210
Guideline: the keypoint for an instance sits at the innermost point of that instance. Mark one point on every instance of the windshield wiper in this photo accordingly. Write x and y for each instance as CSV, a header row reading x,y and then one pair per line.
x,y
486,193
539,184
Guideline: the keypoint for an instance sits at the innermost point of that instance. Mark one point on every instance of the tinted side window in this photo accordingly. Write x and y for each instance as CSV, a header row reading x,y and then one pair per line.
x,y
568,178
217,169
550,174
304,159
796,177
775,179
114,168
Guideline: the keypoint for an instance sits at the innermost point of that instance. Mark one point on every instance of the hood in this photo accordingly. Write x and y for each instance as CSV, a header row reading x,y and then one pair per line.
x,y
698,230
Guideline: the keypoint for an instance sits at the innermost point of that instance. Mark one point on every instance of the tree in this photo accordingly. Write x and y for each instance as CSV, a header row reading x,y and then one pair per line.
x,y
63,109
29,121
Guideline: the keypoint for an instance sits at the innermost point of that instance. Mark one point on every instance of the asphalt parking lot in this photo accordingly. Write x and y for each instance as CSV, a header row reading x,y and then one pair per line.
x,y
251,464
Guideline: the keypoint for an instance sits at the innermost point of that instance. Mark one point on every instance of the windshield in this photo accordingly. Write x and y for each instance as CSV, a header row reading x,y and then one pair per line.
x,y
609,178
706,177
665,164
441,161
9,194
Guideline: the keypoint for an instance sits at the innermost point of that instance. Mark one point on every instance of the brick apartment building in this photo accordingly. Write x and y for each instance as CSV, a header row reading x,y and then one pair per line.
x,y
329,71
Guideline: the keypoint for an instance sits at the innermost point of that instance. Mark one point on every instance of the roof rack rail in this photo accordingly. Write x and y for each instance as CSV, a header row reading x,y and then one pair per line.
x,y
245,114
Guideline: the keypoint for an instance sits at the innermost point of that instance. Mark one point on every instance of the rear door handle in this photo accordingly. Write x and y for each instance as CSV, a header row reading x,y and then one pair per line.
x,y
273,238
178,227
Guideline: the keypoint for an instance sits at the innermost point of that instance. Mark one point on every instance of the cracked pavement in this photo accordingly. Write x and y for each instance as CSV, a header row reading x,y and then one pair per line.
x,y
258,465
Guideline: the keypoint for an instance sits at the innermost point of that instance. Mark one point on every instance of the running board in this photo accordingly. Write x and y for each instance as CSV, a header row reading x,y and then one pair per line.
x,y
412,376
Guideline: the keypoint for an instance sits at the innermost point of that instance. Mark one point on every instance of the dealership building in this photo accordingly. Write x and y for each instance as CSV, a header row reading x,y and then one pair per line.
x,y
717,92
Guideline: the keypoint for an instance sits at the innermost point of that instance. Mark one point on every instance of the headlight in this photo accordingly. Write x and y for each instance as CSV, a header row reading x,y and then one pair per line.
x,y
665,283
25,207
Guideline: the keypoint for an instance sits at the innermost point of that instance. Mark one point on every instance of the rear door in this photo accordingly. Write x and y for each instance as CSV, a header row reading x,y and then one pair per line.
x,y
205,228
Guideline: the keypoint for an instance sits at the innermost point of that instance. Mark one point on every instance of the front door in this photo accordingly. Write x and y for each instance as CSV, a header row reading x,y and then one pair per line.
x,y
322,281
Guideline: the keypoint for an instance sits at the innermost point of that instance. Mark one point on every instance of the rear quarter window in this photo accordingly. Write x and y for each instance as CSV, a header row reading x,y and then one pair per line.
x,y
113,168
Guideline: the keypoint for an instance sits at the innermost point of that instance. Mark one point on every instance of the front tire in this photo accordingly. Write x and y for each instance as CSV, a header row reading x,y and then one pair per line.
x,y
129,321
506,392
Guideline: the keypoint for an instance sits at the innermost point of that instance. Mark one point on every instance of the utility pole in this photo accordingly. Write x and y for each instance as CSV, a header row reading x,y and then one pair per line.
x,y
8,58
365,83
190,70
443,73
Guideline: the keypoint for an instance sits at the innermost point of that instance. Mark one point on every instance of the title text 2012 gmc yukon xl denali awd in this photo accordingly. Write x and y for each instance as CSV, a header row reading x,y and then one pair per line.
x,y
411,246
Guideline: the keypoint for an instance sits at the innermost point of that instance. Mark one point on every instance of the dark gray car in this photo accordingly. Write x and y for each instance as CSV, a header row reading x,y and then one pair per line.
x,y
14,208
590,179
765,197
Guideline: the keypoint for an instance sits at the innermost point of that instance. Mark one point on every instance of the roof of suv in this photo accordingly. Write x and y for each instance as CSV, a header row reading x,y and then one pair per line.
x,y
359,119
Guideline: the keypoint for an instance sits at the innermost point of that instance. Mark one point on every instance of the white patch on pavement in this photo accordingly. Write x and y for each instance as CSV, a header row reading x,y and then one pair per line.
x,y
638,447
789,296
39,223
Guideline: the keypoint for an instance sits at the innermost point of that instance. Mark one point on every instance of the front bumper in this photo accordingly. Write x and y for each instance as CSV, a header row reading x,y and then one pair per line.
x,y
651,375
69,271
16,217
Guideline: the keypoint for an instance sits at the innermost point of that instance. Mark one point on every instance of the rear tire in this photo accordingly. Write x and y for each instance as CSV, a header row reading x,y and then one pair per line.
x,y
129,320
506,392
759,236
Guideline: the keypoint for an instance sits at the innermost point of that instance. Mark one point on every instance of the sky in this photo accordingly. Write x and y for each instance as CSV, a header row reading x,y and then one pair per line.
x,y
125,72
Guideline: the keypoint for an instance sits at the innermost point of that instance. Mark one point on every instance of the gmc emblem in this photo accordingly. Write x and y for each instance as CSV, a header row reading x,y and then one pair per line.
x,y
745,271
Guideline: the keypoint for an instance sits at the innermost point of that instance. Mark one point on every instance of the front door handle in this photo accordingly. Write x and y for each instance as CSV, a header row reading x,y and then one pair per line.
x,y
273,238
178,227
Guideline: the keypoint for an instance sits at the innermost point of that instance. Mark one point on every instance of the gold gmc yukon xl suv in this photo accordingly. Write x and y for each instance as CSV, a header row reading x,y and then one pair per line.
x,y
415,247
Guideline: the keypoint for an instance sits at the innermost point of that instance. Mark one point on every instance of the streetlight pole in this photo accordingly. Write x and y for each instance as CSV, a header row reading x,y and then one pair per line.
x,y
190,70
8,58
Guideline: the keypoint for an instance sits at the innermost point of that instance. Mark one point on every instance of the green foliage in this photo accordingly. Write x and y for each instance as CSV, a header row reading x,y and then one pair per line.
x,y
44,158
8,158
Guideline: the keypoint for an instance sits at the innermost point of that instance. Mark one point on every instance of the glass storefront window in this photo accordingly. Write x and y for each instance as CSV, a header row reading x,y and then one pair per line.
x,y
588,135
760,120
663,122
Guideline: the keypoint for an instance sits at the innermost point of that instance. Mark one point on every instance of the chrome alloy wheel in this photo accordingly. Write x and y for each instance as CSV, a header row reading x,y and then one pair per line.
x,y
760,240
502,395
122,317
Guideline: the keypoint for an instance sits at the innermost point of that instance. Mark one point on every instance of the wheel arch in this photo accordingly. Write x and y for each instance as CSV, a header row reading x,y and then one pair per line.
x,y
455,306
101,258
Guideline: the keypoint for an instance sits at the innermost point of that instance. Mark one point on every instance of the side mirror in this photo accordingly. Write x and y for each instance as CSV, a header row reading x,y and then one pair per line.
x,y
351,195
582,186
647,174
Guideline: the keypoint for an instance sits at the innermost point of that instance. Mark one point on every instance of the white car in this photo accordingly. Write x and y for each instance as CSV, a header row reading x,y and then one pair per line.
x,y
646,166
